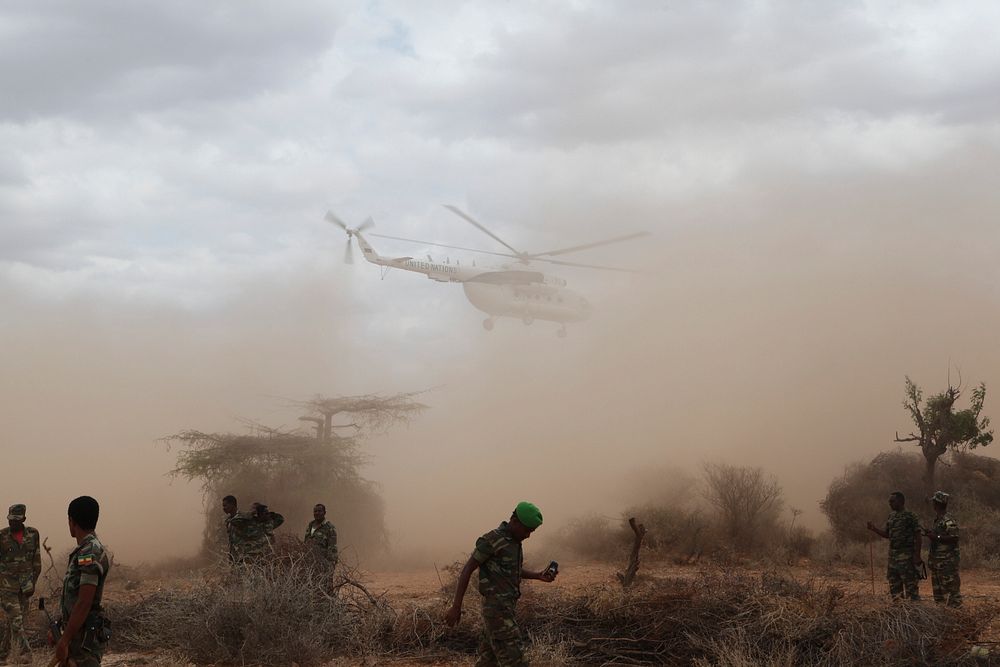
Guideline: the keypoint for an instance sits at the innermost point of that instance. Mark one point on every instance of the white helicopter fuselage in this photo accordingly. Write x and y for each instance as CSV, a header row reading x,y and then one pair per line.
x,y
509,291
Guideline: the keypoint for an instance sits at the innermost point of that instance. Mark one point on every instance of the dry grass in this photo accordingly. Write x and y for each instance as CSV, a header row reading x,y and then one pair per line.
x,y
287,612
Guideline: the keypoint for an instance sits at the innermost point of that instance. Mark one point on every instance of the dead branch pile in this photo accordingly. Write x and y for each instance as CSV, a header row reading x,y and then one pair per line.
x,y
285,614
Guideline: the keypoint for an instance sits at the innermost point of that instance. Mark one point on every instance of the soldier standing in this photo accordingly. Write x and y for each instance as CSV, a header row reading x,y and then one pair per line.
x,y
943,555
20,567
235,526
84,628
500,560
322,536
260,532
902,529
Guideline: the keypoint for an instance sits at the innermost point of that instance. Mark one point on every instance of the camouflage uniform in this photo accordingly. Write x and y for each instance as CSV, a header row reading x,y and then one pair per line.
x,y
259,536
500,559
20,566
88,565
902,528
943,560
323,538
238,535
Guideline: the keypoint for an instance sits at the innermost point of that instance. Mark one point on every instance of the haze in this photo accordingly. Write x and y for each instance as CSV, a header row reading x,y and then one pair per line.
x,y
819,181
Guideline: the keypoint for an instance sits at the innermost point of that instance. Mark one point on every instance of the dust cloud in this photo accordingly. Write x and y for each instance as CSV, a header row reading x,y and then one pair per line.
x,y
773,326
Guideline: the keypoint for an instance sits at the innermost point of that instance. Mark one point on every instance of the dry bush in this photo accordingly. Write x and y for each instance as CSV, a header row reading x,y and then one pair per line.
x,y
861,494
747,504
288,609
731,619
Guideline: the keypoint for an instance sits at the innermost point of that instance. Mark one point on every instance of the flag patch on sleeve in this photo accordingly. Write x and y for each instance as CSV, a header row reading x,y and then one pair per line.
x,y
84,560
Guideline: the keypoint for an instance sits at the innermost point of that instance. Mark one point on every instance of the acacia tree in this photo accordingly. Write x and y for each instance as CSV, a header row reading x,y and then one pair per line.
x,y
942,428
292,469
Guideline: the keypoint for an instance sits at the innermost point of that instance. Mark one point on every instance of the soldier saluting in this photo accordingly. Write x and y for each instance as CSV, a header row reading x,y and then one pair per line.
x,y
902,529
943,555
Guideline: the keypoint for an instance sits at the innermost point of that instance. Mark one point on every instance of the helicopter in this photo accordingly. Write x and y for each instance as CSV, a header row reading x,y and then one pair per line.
x,y
515,290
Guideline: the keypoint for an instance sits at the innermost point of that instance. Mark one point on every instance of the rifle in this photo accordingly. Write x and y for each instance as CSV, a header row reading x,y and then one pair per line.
x,y
54,626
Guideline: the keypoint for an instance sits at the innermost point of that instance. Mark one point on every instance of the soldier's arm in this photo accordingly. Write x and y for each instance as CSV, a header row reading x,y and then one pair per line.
x,y
950,536
77,617
538,576
455,613
276,519
918,542
332,543
875,529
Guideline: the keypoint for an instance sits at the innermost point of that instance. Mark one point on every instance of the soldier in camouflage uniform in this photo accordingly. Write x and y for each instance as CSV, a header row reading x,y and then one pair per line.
x,y
322,536
237,528
260,533
20,567
902,529
944,555
84,628
500,560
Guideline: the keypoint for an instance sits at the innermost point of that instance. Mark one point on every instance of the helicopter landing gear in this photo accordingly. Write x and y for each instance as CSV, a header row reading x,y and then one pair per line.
x,y
527,319
488,324
561,332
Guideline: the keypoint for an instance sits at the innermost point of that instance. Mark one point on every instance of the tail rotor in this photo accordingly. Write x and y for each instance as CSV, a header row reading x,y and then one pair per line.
x,y
351,233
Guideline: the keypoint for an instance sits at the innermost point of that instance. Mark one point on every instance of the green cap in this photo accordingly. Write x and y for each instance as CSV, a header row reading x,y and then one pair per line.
x,y
528,514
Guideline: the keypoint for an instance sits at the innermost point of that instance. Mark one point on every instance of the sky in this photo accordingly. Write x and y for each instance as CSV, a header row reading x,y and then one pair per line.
x,y
818,181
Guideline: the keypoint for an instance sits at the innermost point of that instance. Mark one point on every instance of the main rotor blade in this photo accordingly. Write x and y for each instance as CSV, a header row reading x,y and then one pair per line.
x,y
330,217
349,252
367,224
457,211
584,266
443,245
585,246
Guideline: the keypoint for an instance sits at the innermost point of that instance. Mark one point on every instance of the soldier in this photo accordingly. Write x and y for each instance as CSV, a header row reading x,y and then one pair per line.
x,y
20,567
260,532
943,554
236,528
902,529
84,628
500,560
322,536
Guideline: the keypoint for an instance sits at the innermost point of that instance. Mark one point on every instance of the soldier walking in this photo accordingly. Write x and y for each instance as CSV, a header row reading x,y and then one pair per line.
x,y
943,556
500,560
20,567
84,629
322,536
902,529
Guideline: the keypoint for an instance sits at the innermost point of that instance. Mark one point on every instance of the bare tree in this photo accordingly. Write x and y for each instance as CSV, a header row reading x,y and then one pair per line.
x,y
746,500
941,428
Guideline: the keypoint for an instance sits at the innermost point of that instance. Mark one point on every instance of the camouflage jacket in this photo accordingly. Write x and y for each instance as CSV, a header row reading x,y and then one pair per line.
x,y
323,538
238,534
260,535
903,528
88,565
945,526
500,559
20,563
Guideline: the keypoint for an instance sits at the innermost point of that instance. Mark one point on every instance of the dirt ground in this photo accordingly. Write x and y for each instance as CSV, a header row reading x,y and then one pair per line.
x,y
426,584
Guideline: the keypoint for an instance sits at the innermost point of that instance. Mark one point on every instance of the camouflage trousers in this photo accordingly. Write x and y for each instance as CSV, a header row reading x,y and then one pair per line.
x,y
946,582
15,607
903,578
501,644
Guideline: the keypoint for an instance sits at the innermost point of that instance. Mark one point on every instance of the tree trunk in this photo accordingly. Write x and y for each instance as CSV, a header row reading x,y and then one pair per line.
x,y
930,460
